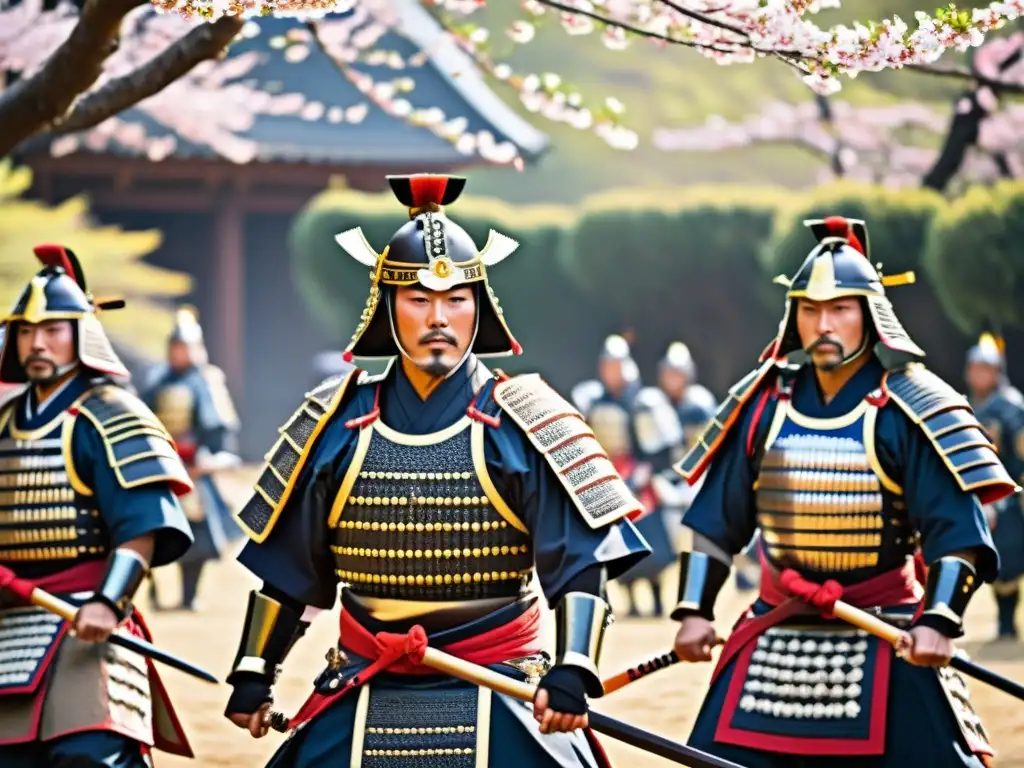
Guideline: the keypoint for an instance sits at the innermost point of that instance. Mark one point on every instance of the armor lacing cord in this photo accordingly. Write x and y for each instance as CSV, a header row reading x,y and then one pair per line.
x,y
822,596
393,648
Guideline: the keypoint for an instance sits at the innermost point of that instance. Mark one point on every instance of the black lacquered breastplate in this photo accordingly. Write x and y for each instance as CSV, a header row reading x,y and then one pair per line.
x,y
413,520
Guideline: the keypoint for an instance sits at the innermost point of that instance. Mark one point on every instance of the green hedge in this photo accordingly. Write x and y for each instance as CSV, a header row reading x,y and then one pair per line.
x,y
679,267
695,266
975,258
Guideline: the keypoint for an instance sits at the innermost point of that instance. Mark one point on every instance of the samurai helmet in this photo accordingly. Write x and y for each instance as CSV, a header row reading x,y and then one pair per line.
x,y
59,292
989,350
678,358
189,332
837,267
434,252
616,348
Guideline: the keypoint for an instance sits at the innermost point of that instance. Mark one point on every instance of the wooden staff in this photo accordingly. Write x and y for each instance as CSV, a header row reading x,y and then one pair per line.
x,y
36,596
680,754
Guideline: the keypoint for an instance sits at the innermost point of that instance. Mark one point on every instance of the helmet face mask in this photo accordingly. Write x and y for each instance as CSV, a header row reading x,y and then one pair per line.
x,y
435,255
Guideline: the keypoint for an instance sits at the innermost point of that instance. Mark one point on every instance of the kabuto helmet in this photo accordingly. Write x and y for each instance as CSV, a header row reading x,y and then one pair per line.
x,y
617,348
189,332
59,292
434,252
678,358
838,267
989,350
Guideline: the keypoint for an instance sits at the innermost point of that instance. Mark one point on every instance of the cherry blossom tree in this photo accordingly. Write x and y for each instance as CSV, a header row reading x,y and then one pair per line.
x,y
906,144
80,62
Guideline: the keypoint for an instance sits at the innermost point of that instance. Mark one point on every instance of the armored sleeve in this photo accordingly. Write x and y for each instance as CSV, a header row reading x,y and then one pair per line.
x,y
949,518
289,456
563,486
946,420
286,518
724,510
122,457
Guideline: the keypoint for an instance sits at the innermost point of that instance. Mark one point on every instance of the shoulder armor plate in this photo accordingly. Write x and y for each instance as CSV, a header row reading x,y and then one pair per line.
x,y
697,459
138,447
558,431
286,458
948,421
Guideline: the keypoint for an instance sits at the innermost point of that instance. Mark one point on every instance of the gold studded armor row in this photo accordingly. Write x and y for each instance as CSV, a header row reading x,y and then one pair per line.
x,y
45,525
418,525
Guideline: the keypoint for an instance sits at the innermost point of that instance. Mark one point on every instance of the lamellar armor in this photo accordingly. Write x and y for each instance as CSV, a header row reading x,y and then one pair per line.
x,y
831,506
826,504
54,527
48,514
418,518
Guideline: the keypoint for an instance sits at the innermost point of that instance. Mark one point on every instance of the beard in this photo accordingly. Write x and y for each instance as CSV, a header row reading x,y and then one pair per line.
x,y
440,362
40,370
833,348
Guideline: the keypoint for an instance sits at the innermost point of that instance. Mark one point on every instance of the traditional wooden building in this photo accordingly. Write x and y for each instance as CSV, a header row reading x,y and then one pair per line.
x,y
284,118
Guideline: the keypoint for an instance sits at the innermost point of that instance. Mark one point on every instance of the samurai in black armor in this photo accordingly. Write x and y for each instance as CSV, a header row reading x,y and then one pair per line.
x,y
435,494
89,487
849,455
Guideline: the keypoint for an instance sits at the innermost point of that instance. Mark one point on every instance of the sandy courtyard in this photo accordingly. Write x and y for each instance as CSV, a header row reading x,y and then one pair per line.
x,y
665,703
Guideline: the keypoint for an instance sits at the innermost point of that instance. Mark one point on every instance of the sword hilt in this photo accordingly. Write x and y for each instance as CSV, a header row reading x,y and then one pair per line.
x,y
653,665
278,721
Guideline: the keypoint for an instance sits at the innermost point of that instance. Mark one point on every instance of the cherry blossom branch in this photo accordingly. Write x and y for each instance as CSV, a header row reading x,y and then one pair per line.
x,y
202,43
962,73
33,103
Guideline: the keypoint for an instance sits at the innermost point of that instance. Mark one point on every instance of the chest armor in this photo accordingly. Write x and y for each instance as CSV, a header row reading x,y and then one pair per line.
x,y
825,505
610,423
174,405
47,520
417,518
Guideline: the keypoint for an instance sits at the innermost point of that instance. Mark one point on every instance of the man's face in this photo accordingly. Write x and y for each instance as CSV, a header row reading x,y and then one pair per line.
x,y
982,378
179,356
435,328
611,374
46,348
673,382
830,330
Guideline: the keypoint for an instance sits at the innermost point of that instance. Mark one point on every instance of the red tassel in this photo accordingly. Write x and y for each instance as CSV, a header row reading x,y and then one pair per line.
x,y
427,189
55,256
838,226
347,357
517,348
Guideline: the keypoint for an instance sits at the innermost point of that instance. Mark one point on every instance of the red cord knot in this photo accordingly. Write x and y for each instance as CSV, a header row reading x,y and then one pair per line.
x,y
412,644
821,596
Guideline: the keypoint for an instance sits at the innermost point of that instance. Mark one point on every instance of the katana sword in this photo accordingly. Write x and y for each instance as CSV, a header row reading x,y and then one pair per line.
x,y
30,593
681,754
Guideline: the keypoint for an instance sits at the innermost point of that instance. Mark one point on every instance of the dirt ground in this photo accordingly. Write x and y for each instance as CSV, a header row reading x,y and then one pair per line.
x,y
665,703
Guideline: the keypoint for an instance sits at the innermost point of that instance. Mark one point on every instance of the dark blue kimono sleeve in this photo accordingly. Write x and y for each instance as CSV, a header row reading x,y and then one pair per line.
x,y
564,545
296,557
948,518
724,511
130,512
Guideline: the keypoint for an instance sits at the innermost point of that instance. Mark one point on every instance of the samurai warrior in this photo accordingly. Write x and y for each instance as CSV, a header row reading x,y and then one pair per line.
x,y
190,397
626,421
1000,408
434,493
89,487
848,454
